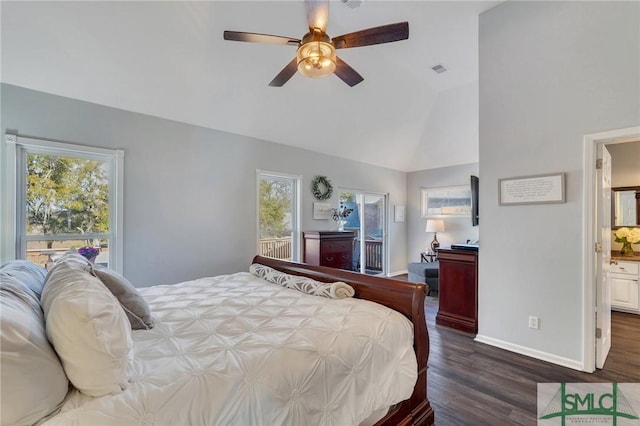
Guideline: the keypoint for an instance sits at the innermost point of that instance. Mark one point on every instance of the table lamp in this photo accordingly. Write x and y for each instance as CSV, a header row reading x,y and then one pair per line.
x,y
435,226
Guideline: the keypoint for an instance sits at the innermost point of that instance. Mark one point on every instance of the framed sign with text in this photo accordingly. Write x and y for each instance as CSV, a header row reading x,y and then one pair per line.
x,y
536,189
321,210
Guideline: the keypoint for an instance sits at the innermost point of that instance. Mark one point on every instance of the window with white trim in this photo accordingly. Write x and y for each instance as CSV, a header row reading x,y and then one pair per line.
x,y
66,197
278,215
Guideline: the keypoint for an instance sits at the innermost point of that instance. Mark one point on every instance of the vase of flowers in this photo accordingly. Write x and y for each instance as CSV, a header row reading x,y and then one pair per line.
x,y
627,236
90,253
340,216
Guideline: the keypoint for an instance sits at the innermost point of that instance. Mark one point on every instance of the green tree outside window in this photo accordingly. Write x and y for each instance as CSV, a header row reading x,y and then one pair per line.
x,y
66,196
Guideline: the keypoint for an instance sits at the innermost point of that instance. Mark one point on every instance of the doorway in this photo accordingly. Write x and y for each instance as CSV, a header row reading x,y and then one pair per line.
x,y
368,222
593,265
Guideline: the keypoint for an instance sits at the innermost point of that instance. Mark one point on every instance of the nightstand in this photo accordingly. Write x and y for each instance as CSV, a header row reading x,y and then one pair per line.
x,y
428,257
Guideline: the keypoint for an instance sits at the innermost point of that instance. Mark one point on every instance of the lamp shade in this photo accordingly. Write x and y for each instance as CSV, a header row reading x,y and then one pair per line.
x,y
316,59
435,225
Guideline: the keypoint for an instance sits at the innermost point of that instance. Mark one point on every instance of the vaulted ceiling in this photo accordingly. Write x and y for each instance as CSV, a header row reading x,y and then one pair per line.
x,y
168,59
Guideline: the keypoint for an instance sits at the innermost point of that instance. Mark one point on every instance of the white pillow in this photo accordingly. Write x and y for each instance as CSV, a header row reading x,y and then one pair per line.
x,y
88,329
33,381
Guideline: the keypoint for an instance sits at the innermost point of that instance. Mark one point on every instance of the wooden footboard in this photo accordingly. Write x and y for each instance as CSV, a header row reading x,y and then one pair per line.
x,y
404,297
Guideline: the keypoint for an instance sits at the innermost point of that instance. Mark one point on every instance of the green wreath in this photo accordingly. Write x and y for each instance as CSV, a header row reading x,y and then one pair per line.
x,y
319,193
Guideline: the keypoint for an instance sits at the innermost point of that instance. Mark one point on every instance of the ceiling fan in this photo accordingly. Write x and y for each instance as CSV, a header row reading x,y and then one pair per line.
x,y
316,55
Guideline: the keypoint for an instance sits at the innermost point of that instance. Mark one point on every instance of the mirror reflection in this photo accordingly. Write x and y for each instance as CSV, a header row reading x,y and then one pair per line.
x,y
626,206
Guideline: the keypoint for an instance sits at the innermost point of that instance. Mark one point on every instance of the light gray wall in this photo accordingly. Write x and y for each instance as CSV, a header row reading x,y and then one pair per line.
x,y
625,164
550,72
189,196
457,230
452,117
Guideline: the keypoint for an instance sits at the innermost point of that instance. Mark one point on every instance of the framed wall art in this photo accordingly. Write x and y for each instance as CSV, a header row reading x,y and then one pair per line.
x,y
450,201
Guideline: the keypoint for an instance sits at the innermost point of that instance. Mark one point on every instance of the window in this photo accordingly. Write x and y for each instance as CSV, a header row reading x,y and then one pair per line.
x,y
66,196
278,215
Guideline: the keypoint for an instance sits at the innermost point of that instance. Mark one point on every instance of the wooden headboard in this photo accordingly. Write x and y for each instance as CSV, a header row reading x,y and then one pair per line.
x,y
404,297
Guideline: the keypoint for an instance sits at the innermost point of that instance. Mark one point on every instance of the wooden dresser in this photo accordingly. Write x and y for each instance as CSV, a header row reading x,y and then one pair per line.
x,y
458,305
328,248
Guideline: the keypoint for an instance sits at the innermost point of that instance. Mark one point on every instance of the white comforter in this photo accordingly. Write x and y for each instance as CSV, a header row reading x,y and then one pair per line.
x,y
237,350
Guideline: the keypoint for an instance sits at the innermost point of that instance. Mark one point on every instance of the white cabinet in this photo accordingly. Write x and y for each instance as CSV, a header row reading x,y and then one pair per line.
x,y
625,277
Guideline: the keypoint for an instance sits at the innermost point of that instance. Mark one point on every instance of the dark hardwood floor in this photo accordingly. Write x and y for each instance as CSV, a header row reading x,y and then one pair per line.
x,y
471,383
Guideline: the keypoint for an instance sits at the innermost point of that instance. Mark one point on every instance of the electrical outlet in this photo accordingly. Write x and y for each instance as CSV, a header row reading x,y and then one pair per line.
x,y
534,322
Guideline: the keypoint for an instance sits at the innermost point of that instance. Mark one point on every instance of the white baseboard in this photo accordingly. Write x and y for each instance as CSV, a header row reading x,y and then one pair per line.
x,y
393,274
533,353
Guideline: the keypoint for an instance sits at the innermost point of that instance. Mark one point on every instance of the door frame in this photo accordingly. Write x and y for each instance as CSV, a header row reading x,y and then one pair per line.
x,y
385,225
590,143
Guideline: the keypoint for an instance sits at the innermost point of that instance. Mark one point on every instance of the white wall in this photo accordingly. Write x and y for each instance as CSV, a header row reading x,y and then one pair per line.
x,y
457,230
550,72
189,196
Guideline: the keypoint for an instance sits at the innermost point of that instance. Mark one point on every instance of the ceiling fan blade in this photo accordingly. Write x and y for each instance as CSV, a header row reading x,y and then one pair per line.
x,y
346,73
260,38
317,14
287,72
371,36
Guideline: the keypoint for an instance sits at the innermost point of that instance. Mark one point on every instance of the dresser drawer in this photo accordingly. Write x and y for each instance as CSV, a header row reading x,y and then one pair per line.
x,y
336,246
625,268
335,259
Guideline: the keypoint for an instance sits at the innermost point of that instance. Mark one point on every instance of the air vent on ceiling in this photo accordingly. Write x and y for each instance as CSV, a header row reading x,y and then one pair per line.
x,y
353,3
439,68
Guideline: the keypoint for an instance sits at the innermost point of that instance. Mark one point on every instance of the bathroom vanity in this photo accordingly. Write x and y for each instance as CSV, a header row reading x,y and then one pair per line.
x,y
625,279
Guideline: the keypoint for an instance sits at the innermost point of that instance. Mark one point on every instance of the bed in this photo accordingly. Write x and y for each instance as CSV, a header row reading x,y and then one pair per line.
x,y
239,350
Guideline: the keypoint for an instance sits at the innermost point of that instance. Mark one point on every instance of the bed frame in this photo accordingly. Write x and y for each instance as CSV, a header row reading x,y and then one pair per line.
x,y
404,297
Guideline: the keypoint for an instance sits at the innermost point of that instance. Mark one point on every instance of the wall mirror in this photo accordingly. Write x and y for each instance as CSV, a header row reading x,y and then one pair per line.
x,y
625,203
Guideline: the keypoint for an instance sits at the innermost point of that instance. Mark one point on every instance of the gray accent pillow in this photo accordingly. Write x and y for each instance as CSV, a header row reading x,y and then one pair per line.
x,y
134,305
34,383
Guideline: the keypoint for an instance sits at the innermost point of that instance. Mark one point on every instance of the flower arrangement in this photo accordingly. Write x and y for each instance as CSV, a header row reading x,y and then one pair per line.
x,y
89,252
627,237
340,215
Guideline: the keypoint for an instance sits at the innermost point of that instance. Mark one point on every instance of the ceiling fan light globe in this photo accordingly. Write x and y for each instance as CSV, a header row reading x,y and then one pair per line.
x,y
316,59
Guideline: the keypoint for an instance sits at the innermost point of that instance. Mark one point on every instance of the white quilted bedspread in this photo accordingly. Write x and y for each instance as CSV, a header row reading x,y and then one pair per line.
x,y
236,350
